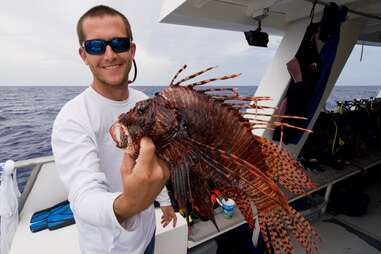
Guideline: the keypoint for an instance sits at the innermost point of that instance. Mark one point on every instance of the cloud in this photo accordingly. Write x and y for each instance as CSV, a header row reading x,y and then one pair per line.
x,y
362,73
152,67
39,46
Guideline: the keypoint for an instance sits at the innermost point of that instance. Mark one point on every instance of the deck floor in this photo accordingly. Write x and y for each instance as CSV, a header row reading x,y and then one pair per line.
x,y
353,235
343,234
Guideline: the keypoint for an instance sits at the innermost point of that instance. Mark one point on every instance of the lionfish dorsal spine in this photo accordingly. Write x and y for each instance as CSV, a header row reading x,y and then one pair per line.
x,y
177,74
206,81
194,75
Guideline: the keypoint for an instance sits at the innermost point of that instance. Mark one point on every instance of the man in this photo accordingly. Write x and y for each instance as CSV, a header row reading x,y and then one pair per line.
x,y
110,193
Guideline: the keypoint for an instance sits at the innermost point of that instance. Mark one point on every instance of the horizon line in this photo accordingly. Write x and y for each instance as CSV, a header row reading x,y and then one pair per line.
x,y
142,85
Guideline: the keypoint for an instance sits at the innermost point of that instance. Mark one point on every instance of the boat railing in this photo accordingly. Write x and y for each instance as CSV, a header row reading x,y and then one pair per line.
x,y
35,164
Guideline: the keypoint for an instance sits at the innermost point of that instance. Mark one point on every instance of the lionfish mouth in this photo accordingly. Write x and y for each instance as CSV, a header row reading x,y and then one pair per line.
x,y
121,136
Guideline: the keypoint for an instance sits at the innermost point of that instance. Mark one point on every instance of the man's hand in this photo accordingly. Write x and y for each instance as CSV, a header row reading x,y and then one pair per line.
x,y
168,215
142,180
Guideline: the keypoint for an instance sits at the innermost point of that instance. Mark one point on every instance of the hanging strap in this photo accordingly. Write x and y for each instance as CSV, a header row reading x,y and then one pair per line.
x,y
135,72
362,51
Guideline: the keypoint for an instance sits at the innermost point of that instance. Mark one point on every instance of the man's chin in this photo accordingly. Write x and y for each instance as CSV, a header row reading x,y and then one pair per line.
x,y
115,82
118,83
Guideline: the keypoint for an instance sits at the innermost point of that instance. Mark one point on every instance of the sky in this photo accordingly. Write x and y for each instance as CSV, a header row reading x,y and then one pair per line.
x,y
39,46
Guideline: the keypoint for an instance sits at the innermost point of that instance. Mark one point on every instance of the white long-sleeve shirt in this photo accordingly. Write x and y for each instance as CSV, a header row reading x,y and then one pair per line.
x,y
88,163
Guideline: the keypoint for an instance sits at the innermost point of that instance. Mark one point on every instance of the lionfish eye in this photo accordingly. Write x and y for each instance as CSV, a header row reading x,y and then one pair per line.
x,y
141,109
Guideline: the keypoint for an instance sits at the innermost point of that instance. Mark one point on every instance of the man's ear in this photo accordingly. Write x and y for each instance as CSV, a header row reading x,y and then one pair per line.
x,y
83,55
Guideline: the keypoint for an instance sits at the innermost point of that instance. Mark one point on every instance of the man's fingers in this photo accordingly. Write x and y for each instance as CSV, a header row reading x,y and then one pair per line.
x,y
164,166
166,219
165,222
152,165
127,164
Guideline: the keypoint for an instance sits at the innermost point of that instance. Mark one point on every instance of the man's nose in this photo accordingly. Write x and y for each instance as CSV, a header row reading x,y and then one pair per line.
x,y
109,53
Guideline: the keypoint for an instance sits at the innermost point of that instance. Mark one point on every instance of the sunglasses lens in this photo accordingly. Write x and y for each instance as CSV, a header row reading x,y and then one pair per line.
x,y
120,44
98,46
95,47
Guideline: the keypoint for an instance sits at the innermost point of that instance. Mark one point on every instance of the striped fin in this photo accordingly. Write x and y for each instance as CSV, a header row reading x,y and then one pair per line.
x,y
271,203
206,81
201,201
194,75
283,168
177,74
243,203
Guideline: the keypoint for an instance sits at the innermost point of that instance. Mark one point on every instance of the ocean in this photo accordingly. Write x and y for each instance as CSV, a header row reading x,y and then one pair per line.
x,y
27,115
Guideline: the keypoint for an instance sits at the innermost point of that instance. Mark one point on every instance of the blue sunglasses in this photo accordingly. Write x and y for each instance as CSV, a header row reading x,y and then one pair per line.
x,y
98,46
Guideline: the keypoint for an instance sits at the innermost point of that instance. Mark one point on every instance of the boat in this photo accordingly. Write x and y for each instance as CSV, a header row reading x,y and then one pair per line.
x,y
286,18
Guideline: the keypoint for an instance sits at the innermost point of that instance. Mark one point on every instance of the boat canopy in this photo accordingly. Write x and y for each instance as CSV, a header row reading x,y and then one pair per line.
x,y
276,15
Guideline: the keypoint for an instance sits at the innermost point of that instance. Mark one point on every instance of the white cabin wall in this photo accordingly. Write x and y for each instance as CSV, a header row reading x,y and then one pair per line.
x,y
276,79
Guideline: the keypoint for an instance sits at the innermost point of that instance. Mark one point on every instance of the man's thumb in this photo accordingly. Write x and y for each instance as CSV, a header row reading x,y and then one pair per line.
x,y
147,149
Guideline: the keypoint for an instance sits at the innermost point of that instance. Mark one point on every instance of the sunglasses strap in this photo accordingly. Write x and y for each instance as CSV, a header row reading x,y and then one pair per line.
x,y
135,72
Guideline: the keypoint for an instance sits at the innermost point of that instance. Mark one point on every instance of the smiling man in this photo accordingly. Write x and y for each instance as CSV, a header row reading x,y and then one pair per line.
x,y
111,194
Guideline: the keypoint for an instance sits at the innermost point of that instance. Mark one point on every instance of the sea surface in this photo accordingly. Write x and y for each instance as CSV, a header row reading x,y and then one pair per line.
x,y
27,115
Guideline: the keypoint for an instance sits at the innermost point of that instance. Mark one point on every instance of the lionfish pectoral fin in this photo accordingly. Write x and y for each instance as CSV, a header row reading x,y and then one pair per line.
x,y
284,169
180,186
201,194
276,223
262,184
189,185
243,203
180,164
213,220
274,213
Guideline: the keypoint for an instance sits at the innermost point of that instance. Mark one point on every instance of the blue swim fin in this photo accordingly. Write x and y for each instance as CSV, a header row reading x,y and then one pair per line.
x,y
38,226
60,220
44,214
52,218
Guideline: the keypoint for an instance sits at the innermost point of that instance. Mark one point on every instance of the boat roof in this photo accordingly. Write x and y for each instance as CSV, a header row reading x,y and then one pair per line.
x,y
243,15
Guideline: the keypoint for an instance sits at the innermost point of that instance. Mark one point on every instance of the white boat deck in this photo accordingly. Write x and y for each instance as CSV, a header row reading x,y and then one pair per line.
x,y
65,240
48,190
340,234
353,235
204,231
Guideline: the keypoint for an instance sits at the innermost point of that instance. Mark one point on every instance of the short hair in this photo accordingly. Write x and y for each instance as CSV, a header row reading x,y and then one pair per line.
x,y
101,11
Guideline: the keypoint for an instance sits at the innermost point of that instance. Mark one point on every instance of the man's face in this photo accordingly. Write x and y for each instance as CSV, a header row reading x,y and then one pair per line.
x,y
110,68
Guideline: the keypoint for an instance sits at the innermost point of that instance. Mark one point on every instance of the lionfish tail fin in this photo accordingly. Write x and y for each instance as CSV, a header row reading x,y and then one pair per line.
x,y
276,224
283,168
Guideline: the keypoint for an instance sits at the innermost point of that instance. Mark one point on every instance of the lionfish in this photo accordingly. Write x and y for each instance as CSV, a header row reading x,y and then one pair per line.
x,y
202,134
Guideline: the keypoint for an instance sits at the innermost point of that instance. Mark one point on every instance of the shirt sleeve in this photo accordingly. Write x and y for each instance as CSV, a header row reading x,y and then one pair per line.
x,y
163,197
78,165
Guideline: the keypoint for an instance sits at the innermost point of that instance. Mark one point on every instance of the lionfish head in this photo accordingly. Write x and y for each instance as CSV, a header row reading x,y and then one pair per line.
x,y
152,117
